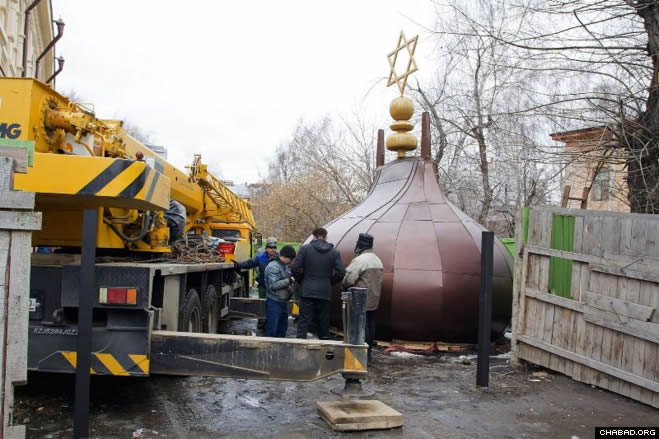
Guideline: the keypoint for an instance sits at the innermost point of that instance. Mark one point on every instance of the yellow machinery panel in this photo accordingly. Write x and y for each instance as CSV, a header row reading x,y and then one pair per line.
x,y
24,103
67,184
83,182
83,162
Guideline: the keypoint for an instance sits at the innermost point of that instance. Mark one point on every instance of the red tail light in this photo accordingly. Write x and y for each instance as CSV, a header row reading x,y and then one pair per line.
x,y
226,248
118,296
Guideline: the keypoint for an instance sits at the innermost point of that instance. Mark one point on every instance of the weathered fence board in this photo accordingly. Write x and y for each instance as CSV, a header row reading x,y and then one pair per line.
x,y
605,331
16,225
619,307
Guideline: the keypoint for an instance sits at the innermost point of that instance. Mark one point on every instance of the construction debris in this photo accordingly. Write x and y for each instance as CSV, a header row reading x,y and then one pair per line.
x,y
540,374
196,249
421,348
416,347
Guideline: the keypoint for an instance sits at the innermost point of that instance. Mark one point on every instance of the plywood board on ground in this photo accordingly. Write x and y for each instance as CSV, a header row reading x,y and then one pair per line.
x,y
429,346
419,345
350,415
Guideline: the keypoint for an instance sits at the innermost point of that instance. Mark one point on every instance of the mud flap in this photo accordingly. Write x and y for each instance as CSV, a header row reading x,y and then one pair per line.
x,y
121,353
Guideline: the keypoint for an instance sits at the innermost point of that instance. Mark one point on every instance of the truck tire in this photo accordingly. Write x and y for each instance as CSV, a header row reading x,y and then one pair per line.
x,y
211,310
192,313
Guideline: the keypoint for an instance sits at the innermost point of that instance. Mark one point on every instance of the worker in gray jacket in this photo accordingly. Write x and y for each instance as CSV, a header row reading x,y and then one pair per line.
x,y
365,271
278,289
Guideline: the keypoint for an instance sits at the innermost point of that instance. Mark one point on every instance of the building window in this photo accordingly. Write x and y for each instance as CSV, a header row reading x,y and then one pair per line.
x,y
601,185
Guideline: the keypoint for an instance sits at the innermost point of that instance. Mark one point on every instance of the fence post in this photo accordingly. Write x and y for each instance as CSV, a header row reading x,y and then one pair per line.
x,y
85,311
485,310
17,221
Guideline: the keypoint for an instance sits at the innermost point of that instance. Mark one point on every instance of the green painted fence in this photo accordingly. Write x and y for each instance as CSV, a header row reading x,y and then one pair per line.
x,y
560,270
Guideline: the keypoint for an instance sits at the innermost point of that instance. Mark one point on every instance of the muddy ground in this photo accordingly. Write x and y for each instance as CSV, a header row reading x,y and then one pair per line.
x,y
436,394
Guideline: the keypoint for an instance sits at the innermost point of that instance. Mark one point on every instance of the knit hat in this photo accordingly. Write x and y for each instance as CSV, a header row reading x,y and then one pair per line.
x,y
271,242
364,242
287,251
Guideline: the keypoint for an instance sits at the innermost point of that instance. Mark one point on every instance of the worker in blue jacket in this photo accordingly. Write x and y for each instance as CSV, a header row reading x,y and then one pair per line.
x,y
261,261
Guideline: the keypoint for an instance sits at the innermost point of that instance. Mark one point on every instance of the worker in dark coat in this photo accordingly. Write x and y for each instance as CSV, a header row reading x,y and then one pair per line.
x,y
318,266
365,271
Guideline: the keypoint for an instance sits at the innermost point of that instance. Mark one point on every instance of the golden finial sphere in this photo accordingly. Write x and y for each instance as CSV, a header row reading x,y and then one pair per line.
x,y
401,108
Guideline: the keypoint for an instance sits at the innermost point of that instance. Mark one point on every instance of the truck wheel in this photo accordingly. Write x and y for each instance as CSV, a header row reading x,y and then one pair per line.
x,y
211,310
192,320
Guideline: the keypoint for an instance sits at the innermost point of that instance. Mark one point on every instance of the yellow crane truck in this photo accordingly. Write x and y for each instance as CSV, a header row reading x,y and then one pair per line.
x,y
151,314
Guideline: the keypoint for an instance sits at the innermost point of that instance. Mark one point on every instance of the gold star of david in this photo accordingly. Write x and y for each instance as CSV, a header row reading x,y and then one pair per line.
x,y
394,78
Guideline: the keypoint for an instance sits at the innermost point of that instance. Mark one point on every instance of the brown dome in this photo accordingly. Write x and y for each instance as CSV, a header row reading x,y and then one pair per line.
x,y
431,255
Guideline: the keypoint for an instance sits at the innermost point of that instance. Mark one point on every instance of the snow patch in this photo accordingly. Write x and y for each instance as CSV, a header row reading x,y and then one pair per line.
x,y
140,432
250,401
404,354
505,355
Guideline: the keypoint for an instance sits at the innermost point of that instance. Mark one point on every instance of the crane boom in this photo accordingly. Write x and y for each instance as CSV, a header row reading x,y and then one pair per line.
x,y
227,203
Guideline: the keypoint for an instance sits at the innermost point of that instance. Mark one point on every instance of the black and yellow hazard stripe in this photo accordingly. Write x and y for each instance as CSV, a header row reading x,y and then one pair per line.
x,y
105,177
97,181
123,178
152,186
354,359
109,364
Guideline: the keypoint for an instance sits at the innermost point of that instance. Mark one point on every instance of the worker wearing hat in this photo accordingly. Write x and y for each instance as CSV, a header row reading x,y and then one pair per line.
x,y
261,261
279,288
365,271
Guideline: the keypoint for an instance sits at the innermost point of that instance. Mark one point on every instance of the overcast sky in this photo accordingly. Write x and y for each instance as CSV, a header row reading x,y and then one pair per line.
x,y
230,80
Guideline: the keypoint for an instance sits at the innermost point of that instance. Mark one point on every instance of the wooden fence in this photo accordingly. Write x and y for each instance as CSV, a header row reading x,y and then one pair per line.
x,y
17,220
602,327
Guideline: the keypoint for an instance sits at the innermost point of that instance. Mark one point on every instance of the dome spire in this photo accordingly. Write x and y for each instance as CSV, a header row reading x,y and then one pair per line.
x,y
402,107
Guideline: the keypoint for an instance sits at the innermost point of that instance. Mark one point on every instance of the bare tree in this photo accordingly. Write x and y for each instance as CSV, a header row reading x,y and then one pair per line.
x,y
322,171
484,153
594,63
290,210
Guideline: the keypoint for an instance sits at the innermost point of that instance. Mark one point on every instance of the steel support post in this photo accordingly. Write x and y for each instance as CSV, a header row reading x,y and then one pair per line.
x,y
485,310
85,309
354,326
355,300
